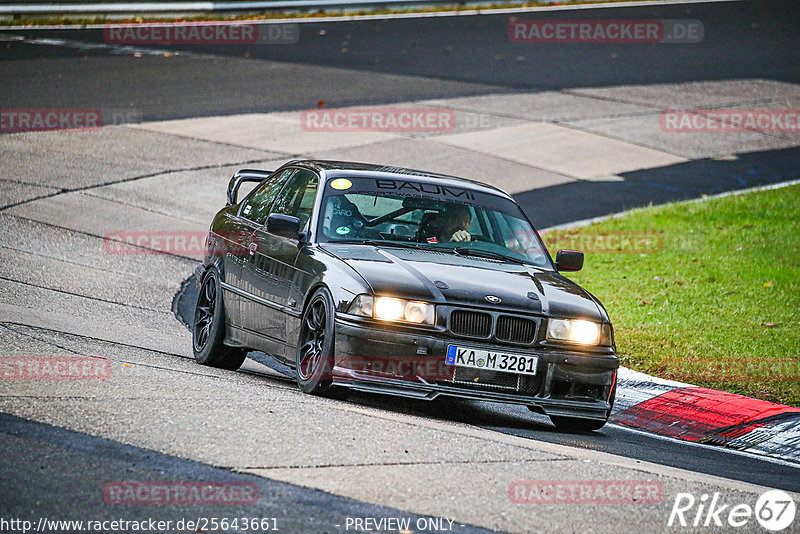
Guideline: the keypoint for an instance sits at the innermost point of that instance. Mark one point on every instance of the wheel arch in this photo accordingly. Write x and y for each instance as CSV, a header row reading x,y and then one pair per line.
x,y
202,270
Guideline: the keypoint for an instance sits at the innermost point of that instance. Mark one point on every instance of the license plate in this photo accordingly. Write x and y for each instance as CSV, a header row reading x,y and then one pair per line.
x,y
491,360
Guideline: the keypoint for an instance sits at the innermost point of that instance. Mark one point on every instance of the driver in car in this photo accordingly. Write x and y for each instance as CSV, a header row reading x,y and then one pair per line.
x,y
448,225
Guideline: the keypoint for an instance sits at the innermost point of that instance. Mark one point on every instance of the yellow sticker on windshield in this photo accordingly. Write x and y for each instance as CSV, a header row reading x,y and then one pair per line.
x,y
341,184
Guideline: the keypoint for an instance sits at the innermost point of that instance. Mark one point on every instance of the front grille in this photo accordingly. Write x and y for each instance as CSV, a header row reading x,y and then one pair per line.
x,y
515,329
483,325
486,379
469,323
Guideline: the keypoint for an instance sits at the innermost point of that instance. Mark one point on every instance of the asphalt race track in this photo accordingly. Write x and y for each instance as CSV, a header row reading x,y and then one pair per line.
x,y
570,130
345,63
372,62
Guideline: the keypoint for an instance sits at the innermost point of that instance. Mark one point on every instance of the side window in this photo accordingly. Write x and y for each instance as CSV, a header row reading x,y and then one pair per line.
x,y
297,197
257,206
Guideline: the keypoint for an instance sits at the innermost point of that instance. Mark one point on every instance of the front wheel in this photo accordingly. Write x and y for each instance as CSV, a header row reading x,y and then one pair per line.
x,y
208,327
576,424
314,357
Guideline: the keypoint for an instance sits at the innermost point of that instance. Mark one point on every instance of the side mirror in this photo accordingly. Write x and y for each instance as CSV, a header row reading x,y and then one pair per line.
x,y
283,225
569,260
242,176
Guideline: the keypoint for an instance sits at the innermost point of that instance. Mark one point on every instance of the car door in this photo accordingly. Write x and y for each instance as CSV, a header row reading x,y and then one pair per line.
x,y
251,215
270,272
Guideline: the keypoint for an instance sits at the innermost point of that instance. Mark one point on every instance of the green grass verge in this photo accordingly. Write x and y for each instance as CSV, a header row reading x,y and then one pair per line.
x,y
703,292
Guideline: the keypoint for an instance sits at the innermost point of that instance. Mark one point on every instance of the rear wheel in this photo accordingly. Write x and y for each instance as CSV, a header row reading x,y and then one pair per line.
x,y
314,357
208,329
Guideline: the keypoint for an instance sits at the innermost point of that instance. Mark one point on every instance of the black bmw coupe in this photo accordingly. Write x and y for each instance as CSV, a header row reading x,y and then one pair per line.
x,y
403,282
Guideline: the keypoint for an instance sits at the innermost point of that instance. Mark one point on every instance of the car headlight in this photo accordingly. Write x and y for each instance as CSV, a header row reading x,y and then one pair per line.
x,y
394,309
575,331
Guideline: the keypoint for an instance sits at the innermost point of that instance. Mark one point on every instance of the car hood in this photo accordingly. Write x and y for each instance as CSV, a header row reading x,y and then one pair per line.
x,y
444,277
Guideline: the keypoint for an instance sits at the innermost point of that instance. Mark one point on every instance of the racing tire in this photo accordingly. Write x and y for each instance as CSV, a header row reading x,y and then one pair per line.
x,y
314,356
208,327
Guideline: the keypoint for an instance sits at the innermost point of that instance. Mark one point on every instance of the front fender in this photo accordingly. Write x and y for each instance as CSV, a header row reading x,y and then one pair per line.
x,y
328,271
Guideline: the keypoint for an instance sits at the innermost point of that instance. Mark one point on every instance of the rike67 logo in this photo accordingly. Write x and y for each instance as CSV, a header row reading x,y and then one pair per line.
x,y
774,510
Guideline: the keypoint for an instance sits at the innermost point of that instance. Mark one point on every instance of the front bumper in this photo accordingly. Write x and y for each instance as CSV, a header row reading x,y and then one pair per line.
x,y
409,363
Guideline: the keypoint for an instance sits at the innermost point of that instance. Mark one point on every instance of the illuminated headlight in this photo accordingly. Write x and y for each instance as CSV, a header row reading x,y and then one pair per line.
x,y
574,331
394,309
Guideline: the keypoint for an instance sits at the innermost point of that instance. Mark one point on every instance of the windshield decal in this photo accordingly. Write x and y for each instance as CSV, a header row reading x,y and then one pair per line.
x,y
420,187
341,184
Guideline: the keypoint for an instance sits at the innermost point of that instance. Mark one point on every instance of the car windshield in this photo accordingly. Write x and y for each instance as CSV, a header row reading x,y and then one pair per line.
x,y
429,216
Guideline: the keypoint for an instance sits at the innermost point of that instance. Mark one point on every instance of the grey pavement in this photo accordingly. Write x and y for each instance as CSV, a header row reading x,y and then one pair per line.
x,y
66,470
257,424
